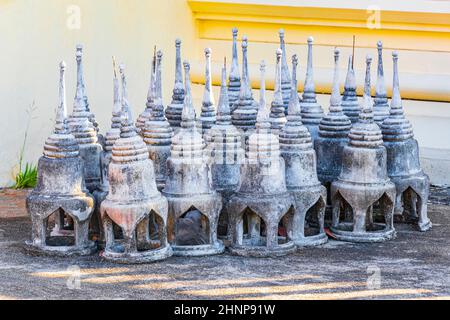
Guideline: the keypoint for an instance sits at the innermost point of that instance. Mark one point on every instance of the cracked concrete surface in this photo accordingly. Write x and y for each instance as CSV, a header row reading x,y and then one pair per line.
x,y
413,266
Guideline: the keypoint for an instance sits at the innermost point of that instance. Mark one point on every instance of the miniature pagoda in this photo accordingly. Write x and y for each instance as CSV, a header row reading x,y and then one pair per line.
x,y
381,106
363,182
173,110
350,105
403,164
194,207
312,112
333,135
307,225
60,206
262,203
208,113
134,213
157,132
277,112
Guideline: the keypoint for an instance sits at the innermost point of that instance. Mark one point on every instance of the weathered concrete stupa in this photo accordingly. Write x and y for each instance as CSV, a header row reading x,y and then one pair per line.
x,y
194,207
350,105
262,206
363,182
146,114
157,132
333,135
244,115
312,112
381,106
208,113
134,213
234,84
85,132
403,163
173,110
285,76
277,112
59,206
226,155
307,226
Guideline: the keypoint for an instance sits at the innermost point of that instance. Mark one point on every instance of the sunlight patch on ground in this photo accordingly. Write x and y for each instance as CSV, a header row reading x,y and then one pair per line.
x,y
83,272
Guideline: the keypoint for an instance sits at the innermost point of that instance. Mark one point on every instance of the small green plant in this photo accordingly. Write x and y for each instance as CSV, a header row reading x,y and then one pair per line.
x,y
26,177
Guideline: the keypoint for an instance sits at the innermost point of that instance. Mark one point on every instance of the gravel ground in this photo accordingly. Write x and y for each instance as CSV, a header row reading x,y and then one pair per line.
x,y
415,265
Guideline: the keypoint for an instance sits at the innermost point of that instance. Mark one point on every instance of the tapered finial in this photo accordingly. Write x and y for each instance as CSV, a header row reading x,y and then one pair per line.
x,y
158,79
208,97
188,114
350,80
152,86
178,67
335,100
128,119
117,106
263,112
294,103
367,99
61,113
234,71
396,102
285,76
278,97
309,89
223,109
245,86
380,89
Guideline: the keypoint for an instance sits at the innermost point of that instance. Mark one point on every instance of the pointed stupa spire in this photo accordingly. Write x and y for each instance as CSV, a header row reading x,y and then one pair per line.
x,y
128,129
366,133
235,77
244,114
173,111
61,144
208,115
223,108
277,110
263,120
312,112
336,124
117,116
294,104
396,127
188,114
350,105
151,96
158,107
285,76
294,135
381,106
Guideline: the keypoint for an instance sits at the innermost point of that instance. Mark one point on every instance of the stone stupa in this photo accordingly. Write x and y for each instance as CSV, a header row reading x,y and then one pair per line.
x,y
296,146
173,110
59,205
134,213
157,132
226,155
208,113
277,111
312,112
333,135
262,206
403,162
194,207
363,182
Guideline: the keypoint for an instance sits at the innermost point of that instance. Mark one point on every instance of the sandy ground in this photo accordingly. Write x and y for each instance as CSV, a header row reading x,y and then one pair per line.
x,y
415,265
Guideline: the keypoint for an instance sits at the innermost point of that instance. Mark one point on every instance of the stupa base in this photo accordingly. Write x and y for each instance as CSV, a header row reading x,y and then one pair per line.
x,y
138,257
199,250
263,251
311,241
60,251
343,232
